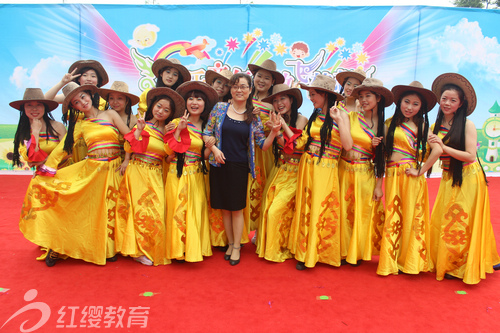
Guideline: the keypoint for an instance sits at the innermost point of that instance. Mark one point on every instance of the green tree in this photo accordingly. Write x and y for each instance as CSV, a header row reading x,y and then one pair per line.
x,y
477,3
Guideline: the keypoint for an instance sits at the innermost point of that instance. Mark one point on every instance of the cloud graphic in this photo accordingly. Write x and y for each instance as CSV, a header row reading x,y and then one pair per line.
x,y
44,75
464,45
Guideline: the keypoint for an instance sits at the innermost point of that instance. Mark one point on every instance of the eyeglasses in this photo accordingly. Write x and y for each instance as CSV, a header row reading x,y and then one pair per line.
x,y
240,87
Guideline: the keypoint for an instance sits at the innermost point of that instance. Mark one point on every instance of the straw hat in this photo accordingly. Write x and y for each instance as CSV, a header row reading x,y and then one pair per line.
x,y
71,89
95,65
185,88
161,63
323,83
270,66
225,75
34,95
285,89
122,88
376,86
462,82
358,73
416,86
178,100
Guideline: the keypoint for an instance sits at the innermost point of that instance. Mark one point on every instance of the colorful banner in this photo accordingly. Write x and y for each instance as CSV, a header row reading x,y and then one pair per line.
x,y
395,44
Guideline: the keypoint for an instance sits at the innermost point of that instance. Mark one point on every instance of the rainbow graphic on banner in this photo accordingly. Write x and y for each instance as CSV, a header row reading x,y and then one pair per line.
x,y
181,47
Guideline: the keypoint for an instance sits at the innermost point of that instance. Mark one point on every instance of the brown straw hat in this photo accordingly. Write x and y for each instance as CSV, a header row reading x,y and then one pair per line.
x,y
376,86
458,80
285,89
415,86
323,83
225,75
161,63
185,88
122,88
358,73
71,89
34,95
95,65
178,100
269,66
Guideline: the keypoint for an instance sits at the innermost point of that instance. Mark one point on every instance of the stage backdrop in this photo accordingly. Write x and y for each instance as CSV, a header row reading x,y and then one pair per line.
x,y
395,44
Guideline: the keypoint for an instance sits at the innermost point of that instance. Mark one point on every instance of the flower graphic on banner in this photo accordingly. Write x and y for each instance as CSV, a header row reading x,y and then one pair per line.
x,y
263,45
257,32
219,52
280,49
232,44
340,42
276,38
362,58
345,54
357,47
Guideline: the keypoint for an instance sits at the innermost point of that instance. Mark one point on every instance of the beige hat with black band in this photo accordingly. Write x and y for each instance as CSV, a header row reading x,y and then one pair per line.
x,y
415,86
358,73
323,83
377,87
225,75
284,89
458,80
34,95
269,66
71,89
119,87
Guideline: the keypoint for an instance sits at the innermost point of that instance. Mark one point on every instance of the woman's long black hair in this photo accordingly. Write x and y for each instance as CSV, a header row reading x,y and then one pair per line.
x,y
72,117
23,131
455,138
204,117
422,122
249,104
379,159
326,129
292,121
159,80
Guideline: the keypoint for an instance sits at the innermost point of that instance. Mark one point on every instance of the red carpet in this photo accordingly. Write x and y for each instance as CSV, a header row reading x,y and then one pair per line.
x,y
255,296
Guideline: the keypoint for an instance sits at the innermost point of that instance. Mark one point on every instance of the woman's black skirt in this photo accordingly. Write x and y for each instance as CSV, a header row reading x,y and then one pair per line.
x,y
228,186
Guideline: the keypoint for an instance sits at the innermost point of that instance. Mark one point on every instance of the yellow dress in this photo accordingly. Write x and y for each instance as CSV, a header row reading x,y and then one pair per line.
x,y
79,147
315,230
406,236
187,225
278,208
362,218
142,107
463,242
72,213
140,211
46,144
264,163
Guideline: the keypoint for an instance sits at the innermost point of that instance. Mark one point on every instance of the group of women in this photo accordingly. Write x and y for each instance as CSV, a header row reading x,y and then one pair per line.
x,y
140,185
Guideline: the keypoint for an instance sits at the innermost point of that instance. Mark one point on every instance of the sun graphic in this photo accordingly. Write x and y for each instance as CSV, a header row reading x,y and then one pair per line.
x,y
362,58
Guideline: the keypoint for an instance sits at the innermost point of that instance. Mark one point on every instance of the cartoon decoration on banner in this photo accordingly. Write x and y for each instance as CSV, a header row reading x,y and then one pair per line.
x,y
301,70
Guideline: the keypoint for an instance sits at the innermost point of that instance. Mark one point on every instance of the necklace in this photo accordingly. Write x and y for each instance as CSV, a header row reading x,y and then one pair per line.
x,y
240,113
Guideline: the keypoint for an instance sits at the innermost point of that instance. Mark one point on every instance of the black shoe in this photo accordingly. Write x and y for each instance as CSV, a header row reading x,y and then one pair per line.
x,y
180,261
228,256
496,267
300,266
51,258
449,277
223,248
112,259
233,262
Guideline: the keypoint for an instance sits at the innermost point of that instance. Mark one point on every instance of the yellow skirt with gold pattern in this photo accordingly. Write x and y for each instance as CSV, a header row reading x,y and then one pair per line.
x,y
462,238
362,218
406,235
